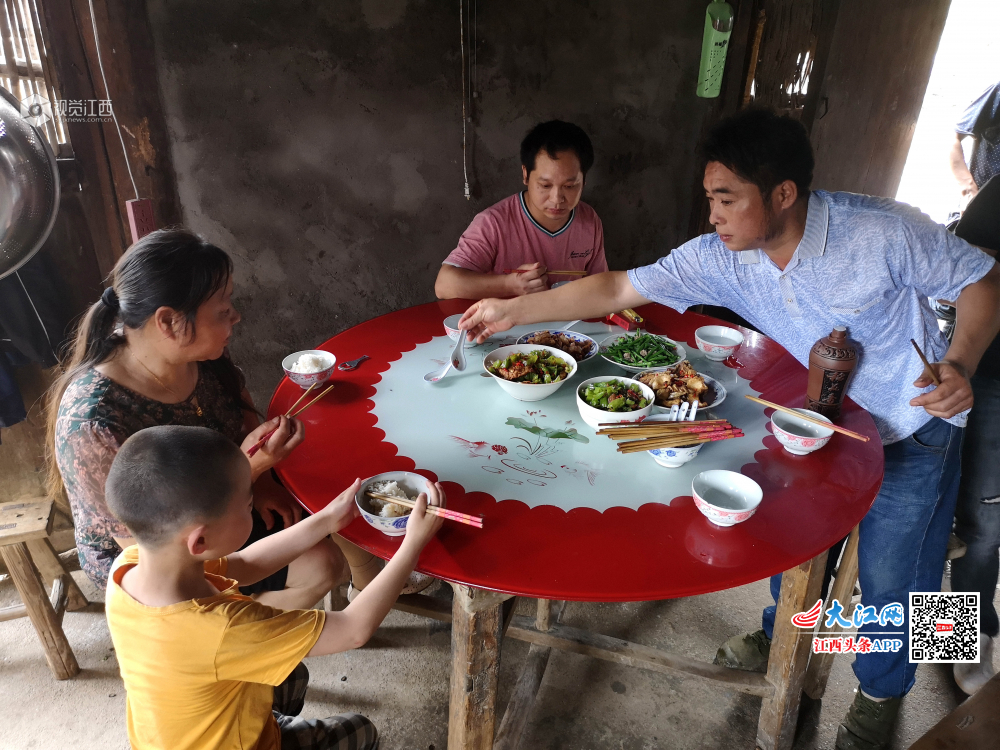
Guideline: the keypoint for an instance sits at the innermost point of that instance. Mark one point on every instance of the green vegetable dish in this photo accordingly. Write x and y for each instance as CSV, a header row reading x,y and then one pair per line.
x,y
643,350
538,367
614,395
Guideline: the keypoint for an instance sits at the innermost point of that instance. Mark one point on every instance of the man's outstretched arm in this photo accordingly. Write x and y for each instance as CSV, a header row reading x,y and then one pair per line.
x,y
592,297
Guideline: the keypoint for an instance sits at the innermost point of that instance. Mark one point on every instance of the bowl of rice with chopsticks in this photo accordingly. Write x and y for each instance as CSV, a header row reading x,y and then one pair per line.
x,y
385,515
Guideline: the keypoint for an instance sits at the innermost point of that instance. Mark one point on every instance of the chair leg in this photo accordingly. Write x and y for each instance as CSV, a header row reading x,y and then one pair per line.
x,y
51,569
843,589
26,578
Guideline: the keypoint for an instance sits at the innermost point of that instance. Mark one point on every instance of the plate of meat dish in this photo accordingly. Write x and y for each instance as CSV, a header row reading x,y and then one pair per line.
x,y
683,383
579,347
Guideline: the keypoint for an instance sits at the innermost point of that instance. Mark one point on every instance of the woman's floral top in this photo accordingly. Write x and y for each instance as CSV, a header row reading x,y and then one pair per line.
x,y
97,415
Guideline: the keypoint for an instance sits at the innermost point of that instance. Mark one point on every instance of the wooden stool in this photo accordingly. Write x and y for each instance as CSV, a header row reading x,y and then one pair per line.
x,y
24,534
974,725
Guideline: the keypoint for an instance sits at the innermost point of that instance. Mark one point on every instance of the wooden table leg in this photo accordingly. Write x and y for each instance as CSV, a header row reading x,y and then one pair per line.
x,y
50,568
790,648
25,575
476,626
843,591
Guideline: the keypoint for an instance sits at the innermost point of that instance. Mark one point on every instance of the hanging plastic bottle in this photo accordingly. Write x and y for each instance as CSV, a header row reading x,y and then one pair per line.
x,y
718,28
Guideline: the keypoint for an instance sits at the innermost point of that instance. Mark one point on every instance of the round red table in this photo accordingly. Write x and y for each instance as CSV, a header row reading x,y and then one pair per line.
x,y
655,552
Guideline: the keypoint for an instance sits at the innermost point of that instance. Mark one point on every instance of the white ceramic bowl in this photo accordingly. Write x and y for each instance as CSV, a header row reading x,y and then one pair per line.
x,y
718,342
724,497
412,484
799,436
595,417
719,388
306,379
579,337
674,457
452,329
605,343
528,391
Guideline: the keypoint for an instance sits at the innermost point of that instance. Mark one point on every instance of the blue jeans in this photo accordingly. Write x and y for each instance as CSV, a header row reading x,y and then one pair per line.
x,y
977,516
901,544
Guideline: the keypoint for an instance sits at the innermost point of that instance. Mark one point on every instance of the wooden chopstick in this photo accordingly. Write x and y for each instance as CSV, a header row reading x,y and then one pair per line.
x,y
635,446
299,401
259,444
927,365
451,515
647,422
550,273
820,422
629,434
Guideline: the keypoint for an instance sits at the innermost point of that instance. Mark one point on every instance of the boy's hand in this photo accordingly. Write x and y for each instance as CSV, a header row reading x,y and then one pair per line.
x,y
533,279
342,509
288,433
423,525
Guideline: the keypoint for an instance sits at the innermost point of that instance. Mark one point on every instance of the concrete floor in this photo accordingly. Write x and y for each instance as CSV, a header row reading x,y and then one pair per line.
x,y
400,680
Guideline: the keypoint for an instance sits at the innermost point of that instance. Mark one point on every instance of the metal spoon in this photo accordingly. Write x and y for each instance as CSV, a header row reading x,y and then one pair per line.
x,y
353,364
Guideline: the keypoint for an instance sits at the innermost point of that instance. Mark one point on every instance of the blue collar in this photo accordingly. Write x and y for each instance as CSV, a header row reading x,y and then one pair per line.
x,y
524,207
813,242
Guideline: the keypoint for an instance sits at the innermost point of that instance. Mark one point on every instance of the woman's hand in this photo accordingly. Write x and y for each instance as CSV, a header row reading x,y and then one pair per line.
x,y
288,433
340,511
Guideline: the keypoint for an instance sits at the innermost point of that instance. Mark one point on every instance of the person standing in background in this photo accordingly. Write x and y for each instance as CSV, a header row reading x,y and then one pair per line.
x,y
977,514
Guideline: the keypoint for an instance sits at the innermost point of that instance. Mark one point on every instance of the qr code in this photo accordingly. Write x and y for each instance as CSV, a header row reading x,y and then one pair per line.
x,y
944,627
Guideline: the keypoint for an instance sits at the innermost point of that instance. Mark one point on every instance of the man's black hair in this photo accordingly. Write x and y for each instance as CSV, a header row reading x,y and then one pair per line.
x,y
168,476
553,137
762,147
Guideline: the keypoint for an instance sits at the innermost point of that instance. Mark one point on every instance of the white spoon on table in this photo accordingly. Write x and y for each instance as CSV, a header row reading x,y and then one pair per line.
x,y
457,360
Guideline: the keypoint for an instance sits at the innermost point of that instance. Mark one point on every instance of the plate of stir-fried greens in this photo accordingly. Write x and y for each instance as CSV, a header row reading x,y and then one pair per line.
x,y
640,352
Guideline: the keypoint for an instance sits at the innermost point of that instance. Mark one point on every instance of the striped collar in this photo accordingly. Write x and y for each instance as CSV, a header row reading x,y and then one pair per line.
x,y
524,207
813,242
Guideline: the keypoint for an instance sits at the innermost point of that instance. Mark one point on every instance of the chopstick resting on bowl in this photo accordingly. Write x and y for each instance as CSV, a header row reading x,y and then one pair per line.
x,y
800,415
289,414
927,365
451,515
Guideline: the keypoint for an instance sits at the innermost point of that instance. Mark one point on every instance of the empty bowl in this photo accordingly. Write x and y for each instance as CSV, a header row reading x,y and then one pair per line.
x,y
799,436
594,416
528,391
672,458
452,329
578,337
412,484
718,342
306,379
725,497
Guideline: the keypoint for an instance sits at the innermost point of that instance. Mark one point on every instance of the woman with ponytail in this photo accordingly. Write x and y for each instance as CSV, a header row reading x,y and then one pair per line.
x,y
152,351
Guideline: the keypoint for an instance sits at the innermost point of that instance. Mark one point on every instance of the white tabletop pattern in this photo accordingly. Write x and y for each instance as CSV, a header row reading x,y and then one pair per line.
x,y
467,430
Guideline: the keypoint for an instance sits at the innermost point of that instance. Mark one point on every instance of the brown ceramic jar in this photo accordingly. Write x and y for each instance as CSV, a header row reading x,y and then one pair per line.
x,y
831,362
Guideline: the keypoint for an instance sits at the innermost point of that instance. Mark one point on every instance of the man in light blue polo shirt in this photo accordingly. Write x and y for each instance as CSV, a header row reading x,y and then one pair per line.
x,y
796,263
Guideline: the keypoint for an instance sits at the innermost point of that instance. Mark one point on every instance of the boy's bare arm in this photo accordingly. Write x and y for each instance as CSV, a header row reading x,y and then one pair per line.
x,y
461,283
272,553
355,625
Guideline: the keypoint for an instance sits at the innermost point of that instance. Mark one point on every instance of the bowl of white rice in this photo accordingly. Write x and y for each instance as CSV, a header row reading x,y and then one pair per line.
x,y
309,366
384,515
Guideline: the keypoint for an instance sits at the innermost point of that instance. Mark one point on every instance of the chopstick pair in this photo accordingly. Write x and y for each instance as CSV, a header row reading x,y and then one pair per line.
x,y
451,515
800,415
550,273
289,414
679,441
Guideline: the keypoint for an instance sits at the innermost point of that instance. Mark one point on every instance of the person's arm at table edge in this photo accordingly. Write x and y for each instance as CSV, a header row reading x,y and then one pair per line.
x,y
590,297
460,283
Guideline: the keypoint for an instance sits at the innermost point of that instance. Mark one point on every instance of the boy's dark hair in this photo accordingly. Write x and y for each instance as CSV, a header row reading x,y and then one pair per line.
x,y
165,477
762,147
555,136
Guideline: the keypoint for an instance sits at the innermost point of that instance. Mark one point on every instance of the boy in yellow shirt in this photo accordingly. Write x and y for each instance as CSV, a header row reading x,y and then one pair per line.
x,y
203,665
